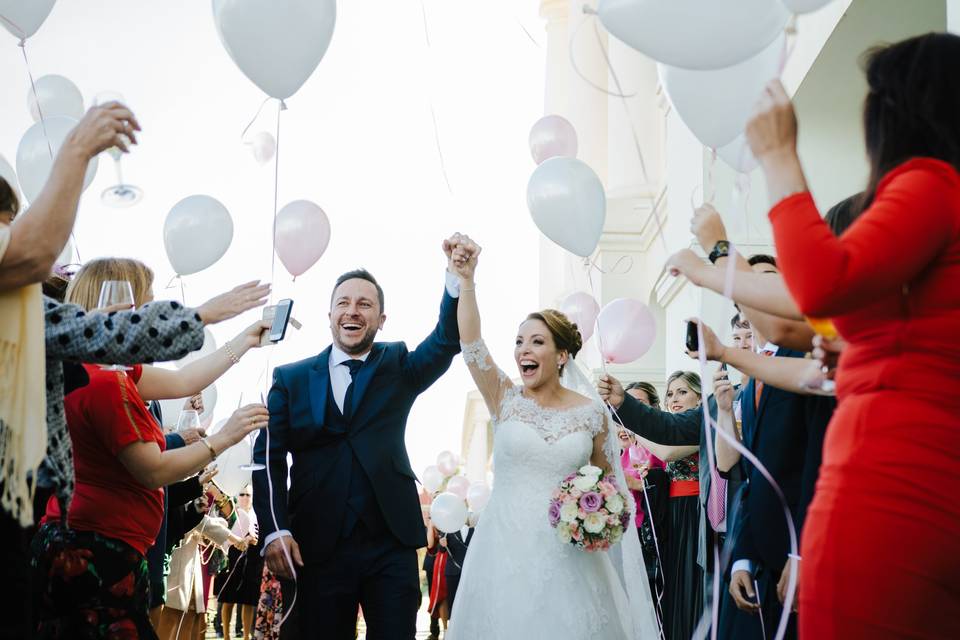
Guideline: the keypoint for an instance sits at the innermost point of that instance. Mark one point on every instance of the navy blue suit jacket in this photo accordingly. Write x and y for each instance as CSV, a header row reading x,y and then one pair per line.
x,y
385,389
785,431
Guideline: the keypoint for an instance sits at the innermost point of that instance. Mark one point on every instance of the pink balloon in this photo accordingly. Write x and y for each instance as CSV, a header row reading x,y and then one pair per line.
x,y
582,309
626,330
552,136
458,485
448,462
302,234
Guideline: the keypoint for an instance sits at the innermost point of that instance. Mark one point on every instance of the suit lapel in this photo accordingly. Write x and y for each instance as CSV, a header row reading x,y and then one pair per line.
x,y
364,376
319,384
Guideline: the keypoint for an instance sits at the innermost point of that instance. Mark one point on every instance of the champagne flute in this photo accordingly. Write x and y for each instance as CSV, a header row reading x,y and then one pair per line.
x,y
825,328
120,194
738,418
112,293
189,419
252,465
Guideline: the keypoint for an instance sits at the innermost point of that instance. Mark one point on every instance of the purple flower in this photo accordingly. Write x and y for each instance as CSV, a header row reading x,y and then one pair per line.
x,y
590,501
554,513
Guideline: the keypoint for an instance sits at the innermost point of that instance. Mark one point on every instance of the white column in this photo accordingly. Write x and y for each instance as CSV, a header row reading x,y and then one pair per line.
x,y
566,94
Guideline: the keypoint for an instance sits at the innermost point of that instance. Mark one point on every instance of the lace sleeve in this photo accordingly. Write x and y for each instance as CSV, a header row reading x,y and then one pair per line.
x,y
491,381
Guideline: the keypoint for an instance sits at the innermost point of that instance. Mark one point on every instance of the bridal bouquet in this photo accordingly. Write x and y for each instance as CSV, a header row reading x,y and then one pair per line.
x,y
588,510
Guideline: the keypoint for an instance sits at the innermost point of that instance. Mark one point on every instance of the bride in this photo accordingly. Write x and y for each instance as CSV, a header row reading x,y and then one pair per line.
x,y
519,579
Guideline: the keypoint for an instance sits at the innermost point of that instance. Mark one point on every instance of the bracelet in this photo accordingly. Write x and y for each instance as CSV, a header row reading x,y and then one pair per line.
x,y
230,353
213,452
793,556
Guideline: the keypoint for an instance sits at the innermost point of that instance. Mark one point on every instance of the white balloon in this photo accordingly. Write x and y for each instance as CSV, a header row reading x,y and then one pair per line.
x,y
263,147
58,96
230,477
24,17
478,495
33,155
448,462
276,43
716,105
432,479
8,174
737,154
804,6
459,486
209,346
448,512
695,34
197,232
568,204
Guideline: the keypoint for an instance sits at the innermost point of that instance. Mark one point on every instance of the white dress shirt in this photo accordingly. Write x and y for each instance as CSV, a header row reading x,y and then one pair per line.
x,y
340,379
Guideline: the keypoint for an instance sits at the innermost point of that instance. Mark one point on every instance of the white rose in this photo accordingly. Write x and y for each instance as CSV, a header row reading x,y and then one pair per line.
x,y
591,471
563,532
584,483
615,504
616,535
594,523
569,511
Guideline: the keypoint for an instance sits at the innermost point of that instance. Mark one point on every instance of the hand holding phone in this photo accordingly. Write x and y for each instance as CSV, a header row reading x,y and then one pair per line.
x,y
279,315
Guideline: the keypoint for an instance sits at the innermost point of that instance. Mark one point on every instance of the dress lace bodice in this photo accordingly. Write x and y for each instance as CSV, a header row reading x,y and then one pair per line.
x,y
550,424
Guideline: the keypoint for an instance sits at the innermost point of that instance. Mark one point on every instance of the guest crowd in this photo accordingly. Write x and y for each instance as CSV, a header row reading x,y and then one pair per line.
x,y
114,528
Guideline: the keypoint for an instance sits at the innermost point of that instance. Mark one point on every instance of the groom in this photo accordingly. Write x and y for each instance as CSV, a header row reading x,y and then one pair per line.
x,y
351,519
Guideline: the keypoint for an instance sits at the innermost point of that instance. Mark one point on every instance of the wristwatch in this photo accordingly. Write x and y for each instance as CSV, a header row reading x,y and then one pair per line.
x,y
720,250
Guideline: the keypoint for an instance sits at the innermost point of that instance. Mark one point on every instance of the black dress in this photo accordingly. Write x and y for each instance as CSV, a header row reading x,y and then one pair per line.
x,y
683,576
240,582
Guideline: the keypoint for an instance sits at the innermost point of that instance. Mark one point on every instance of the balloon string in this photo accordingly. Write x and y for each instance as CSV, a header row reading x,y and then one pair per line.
x,y
36,98
588,263
243,135
576,68
433,112
276,197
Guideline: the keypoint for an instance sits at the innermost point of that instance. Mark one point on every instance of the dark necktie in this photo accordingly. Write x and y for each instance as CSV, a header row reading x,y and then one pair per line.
x,y
354,366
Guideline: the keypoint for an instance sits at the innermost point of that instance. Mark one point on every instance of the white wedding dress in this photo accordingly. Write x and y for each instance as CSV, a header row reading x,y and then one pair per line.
x,y
519,581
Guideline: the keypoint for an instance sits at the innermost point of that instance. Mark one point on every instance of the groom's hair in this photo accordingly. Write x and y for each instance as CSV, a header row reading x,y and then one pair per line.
x,y
361,274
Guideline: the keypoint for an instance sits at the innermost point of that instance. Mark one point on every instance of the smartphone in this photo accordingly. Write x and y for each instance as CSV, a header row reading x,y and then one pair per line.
x,y
693,340
281,318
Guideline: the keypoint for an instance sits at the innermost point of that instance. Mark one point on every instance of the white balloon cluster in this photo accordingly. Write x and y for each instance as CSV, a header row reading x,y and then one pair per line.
x,y
449,509
714,59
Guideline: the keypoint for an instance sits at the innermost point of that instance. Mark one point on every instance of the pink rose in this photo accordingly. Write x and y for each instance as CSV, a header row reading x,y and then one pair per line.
x,y
576,493
607,489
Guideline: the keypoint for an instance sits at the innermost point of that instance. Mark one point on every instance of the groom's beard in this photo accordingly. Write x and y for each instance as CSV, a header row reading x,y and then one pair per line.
x,y
359,348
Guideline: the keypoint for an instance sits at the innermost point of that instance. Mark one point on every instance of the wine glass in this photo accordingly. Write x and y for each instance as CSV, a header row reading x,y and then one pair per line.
x,y
252,437
112,293
189,419
825,328
738,418
120,194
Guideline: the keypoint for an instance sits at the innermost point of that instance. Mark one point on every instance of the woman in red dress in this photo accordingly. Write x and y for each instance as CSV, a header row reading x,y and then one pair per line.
x,y
881,544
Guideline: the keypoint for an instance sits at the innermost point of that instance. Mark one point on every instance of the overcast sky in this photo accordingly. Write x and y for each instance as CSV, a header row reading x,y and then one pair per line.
x,y
358,139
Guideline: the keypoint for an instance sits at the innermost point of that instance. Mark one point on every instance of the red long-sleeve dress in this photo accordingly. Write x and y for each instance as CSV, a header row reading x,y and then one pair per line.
x,y
881,544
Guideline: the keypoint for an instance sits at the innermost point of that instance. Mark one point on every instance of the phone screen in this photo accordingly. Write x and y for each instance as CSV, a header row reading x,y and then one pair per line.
x,y
280,320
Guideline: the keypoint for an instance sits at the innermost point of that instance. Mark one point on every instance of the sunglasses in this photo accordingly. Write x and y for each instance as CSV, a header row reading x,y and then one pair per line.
x,y
243,495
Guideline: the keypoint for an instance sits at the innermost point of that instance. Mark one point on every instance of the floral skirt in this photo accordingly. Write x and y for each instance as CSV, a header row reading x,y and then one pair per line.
x,y
269,609
89,586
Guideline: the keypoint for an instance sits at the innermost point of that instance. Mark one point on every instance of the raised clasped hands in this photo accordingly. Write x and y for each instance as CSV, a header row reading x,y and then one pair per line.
x,y
462,253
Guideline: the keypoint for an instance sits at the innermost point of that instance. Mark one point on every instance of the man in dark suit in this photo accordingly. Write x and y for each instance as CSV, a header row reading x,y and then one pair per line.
x,y
456,544
351,521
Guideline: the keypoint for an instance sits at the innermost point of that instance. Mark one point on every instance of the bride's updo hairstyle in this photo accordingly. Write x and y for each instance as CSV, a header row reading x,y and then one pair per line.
x,y
566,335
